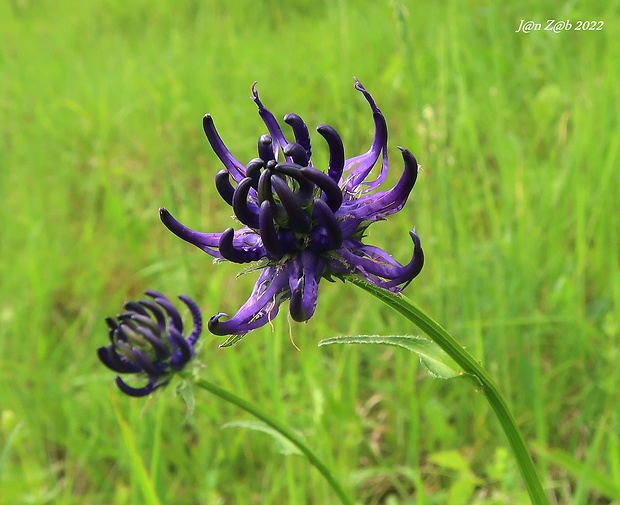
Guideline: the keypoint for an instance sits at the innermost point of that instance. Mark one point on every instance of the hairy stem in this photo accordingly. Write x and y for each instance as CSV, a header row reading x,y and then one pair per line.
x,y
285,431
483,380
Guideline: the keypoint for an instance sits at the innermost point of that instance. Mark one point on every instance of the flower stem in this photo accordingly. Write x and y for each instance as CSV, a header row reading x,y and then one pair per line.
x,y
286,432
470,366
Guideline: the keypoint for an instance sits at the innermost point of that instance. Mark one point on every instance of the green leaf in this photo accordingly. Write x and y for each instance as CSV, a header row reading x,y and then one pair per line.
x,y
599,480
451,460
438,363
6,419
185,390
465,482
141,476
285,446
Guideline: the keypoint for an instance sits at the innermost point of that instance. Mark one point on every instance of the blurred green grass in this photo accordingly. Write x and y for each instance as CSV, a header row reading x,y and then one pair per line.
x,y
517,208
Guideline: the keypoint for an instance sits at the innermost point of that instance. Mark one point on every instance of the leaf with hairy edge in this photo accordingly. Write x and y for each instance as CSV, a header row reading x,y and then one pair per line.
x,y
438,363
285,446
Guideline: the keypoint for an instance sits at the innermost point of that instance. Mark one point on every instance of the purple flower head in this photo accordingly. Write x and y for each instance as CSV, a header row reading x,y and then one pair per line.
x,y
147,341
301,223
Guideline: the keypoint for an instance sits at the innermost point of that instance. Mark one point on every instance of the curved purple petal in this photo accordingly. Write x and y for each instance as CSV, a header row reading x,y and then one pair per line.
x,y
298,220
138,392
110,358
380,268
296,152
224,187
304,285
245,211
279,140
327,221
305,191
236,168
156,343
268,230
154,308
245,239
360,166
143,361
333,195
371,185
270,290
253,170
376,206
196,316
133,306
250,242
183,350
266,150
236,254
132,320
208,242
175,318
336,151
300,131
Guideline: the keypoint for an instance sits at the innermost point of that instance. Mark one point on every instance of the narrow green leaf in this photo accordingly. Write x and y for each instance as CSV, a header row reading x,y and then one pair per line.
x,y
141,474
4,454
598,480
438,363
285,446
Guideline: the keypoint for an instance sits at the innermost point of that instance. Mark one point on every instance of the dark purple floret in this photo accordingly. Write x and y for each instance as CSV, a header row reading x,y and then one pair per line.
x,y
147,341
300,222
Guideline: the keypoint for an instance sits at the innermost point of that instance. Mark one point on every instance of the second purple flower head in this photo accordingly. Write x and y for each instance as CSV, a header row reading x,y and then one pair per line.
x,y
301,223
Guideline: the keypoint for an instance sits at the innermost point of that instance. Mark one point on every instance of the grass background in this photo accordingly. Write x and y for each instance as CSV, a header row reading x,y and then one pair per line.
x,y
517,207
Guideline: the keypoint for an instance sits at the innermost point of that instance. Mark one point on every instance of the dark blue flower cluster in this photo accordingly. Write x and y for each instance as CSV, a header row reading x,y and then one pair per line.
x,y
301,223
147,341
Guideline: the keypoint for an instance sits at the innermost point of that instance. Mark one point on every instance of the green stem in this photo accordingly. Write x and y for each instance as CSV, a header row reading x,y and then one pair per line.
x,y
280,428
470,366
